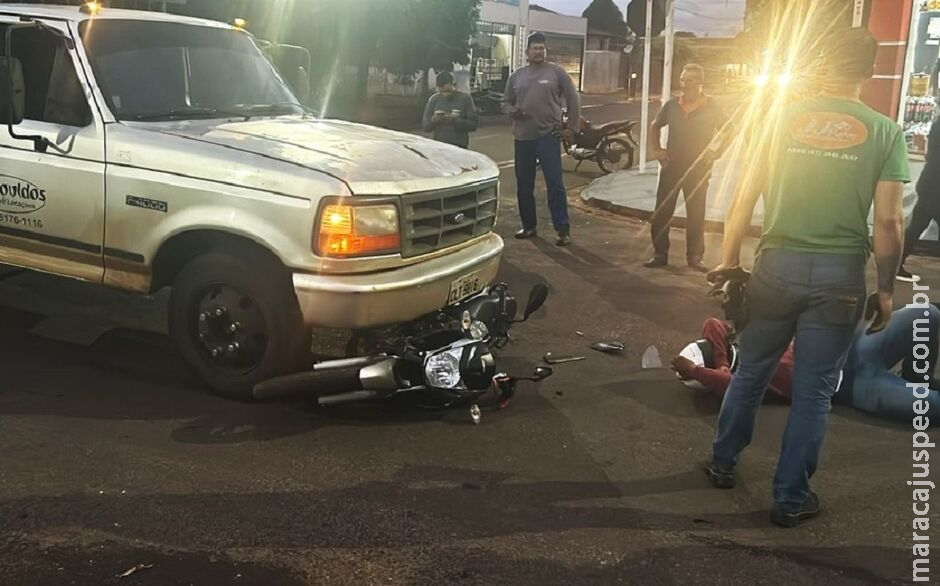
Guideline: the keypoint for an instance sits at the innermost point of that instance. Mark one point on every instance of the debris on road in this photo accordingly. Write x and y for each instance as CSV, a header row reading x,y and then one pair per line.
x,y
553,359
651,358
134,570
608,346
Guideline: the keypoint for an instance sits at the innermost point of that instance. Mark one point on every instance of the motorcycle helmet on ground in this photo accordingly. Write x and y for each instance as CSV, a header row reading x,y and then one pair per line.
x,y
702,353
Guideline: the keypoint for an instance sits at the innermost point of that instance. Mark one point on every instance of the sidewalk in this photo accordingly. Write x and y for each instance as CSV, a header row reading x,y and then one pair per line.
x,y
634,194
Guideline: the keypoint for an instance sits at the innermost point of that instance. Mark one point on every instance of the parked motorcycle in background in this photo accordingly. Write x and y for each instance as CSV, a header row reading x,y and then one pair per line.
x,y
610,145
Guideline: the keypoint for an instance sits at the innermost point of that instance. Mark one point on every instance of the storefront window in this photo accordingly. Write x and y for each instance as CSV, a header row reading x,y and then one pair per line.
x,y
920,106
491,56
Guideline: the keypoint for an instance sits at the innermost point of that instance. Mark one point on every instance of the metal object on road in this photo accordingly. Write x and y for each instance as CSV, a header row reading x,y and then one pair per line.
x,y
559,359
608,347
475,414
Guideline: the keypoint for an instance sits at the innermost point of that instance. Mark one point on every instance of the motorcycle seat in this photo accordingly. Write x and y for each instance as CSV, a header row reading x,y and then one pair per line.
x,y
608,128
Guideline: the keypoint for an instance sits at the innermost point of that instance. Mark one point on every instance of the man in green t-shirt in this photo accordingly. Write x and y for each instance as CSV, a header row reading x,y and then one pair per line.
x,y
829,159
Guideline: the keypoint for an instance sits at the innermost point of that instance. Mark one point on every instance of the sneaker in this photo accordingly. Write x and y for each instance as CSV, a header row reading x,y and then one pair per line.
x,y
656,262
563,240
791,517
719,476
526,233
906,275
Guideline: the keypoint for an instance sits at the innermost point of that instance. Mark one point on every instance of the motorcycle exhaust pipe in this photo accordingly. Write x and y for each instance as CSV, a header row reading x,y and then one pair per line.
x,y
308,384
352,397
373,374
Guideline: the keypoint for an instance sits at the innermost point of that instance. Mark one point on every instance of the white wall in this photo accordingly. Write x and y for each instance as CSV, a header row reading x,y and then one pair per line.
x,y
546,22
504,13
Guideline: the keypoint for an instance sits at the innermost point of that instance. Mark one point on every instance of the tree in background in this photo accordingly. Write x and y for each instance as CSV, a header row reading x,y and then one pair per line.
x,y
346,38
427,34
604,15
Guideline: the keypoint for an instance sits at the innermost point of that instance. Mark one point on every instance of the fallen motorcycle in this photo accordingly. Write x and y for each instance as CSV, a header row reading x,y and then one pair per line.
x,y
610,145
445,360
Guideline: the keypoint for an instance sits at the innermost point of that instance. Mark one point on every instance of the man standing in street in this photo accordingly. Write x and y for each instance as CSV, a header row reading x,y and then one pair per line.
x,y
830,157
927,207
694,120
534,98
449,114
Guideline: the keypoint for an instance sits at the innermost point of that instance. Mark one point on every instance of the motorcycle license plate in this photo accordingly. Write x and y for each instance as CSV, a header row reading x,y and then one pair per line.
x,y
464,287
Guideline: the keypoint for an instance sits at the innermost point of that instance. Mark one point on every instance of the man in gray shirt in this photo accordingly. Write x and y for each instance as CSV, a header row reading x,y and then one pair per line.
x,y
450,114
535,95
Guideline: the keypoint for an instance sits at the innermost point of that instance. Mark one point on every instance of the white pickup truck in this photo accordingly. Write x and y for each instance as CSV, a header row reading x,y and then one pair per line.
x,y
145,150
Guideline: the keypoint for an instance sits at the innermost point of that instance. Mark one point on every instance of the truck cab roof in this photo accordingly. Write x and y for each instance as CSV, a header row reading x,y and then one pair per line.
x,y
72,13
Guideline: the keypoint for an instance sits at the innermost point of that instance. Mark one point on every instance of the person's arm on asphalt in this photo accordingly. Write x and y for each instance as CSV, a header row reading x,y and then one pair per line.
x,y
888,240
715,380
426,120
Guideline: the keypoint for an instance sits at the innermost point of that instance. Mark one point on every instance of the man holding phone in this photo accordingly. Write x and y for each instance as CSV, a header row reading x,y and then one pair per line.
x,y
451,115
828,160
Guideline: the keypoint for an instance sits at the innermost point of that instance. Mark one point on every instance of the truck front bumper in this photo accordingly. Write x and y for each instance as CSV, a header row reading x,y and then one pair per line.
x,y
396,295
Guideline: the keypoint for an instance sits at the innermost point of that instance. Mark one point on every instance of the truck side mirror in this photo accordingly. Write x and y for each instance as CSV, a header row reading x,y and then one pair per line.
x,y
12,91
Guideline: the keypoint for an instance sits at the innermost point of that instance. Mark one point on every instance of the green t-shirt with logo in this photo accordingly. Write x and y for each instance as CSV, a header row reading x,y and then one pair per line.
x,y
829,155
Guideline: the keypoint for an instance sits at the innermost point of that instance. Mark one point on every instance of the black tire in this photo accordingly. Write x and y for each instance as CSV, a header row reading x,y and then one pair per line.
x,y
257,298
615,154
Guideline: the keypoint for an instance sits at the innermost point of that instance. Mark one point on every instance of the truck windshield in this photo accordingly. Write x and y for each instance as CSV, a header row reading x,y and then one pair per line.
x,y
170,71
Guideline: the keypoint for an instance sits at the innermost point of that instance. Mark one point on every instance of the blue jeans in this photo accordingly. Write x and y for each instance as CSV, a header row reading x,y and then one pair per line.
x,y
547,151
870,384
817,300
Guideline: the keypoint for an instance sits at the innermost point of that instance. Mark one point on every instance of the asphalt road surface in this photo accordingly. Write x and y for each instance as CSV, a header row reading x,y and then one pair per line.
x,y
114,460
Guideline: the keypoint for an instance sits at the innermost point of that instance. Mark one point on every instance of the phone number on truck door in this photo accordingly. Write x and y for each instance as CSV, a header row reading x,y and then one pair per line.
x,y
20,221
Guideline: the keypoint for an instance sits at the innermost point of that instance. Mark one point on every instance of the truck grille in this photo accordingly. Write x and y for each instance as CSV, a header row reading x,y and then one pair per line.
x,y
440,219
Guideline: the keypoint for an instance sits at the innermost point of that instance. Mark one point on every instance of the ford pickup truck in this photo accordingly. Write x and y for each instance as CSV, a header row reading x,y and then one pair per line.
x,y
145,150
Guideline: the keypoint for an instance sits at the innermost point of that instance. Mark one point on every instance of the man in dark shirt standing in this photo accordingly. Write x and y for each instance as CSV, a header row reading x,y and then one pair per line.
x,y
450,114
928,199
535,95
694,120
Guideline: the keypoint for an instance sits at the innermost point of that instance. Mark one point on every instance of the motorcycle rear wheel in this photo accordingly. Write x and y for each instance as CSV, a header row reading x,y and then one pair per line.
x,y
614,154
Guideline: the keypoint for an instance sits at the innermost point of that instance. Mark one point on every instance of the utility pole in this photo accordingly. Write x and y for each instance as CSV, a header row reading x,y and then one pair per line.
x,y
645,116
669,50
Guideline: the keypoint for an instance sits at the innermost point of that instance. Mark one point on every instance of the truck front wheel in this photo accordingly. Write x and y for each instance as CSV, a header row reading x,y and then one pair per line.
x,y
236,321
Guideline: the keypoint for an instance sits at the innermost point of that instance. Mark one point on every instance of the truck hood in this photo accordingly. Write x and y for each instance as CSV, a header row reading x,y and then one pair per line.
x,y
370,160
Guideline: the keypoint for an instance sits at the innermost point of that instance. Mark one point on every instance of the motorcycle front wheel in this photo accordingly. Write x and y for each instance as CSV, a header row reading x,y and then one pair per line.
x,y
614,154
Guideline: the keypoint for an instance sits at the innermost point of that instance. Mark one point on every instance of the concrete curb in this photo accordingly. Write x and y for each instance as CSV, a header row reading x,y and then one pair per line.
x,y
712,226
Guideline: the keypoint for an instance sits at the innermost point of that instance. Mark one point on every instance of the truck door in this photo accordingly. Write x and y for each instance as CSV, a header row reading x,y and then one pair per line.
x,y
52,196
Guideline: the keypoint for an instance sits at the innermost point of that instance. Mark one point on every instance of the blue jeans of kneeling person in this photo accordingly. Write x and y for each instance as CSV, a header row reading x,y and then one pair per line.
x,y
547,151
816,300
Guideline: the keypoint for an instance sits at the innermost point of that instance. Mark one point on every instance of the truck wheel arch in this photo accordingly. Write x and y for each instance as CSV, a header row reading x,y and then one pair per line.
x,y
181,248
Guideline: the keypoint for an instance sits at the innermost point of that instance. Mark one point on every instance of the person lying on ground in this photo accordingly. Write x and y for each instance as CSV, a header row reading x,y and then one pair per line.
x,y
875,378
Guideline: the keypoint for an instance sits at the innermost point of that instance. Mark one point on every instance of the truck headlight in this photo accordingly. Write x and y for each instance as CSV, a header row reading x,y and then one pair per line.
x,y
442,370
358,230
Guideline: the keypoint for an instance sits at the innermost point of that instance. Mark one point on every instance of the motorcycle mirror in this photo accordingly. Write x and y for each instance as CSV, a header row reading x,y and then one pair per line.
x,y
543,372
536,299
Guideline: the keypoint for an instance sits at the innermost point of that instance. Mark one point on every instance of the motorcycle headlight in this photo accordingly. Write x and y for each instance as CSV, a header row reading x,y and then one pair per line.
x,y
442,370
